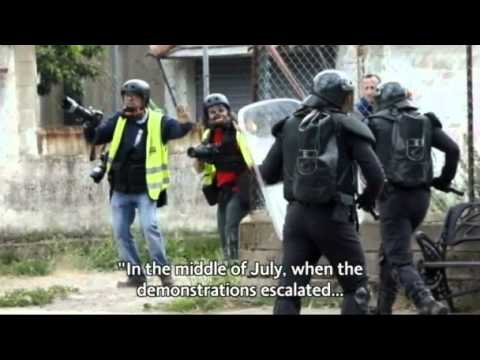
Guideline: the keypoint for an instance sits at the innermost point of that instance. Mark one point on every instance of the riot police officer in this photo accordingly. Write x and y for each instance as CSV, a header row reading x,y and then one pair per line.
x,y
316,154
405,139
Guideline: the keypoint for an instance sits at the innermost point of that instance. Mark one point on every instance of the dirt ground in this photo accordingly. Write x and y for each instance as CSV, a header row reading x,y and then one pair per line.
x,y
98,295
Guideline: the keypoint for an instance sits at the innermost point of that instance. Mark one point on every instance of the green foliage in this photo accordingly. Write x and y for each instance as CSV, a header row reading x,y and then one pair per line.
x,y
201,304
12,265
67,64
36,297
101,254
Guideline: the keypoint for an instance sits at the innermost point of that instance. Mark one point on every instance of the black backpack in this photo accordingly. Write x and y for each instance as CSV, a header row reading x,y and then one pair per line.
x,y
410,156
315,177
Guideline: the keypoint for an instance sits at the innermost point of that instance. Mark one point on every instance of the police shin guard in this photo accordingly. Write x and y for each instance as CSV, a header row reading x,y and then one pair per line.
x,y
387,292
356,303
385,303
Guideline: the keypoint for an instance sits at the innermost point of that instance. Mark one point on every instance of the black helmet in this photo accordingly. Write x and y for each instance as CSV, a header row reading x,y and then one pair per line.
x,y
330,87
391,94
137,87
214,100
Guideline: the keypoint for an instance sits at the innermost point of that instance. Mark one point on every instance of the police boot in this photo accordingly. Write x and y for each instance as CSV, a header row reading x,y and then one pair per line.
x,y
427,305
356,303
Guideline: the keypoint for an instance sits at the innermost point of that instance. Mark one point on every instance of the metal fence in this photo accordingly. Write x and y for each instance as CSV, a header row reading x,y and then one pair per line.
x,y
288,70
442,79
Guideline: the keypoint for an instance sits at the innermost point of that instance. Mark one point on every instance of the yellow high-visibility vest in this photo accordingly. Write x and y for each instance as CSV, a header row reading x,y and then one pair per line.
x,y
158,175
210,171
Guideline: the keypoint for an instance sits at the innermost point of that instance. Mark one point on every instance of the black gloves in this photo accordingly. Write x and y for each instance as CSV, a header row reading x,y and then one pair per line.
x,y
366,203
441,185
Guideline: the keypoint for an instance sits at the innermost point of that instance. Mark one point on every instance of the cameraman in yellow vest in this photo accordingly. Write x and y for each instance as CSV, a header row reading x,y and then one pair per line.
x,y
138,171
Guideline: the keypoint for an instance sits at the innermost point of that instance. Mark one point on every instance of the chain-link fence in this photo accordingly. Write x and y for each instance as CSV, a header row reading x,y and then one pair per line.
x,y
288,70
442,79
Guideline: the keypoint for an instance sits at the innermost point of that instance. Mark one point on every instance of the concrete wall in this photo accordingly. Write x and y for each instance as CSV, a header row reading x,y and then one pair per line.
x,y
37,193
435,73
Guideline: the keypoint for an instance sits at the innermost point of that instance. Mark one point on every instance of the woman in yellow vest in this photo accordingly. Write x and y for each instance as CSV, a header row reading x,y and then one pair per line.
x,y
138,171
224,160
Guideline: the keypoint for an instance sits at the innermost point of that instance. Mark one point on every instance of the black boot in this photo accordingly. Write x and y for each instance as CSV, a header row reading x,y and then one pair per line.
x,y
132,282
167,281
427,305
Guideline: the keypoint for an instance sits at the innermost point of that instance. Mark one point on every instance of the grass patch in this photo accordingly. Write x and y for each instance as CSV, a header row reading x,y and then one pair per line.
x,y
206,305
323,303
203,305
36,297
100,254
193,305
181,249
11,265
200,304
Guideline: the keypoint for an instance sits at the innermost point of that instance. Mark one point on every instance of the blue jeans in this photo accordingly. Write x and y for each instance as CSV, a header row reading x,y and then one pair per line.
x,y
123,211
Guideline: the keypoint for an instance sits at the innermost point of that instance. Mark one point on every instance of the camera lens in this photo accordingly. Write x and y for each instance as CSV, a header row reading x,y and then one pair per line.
x,y
191,152
98,174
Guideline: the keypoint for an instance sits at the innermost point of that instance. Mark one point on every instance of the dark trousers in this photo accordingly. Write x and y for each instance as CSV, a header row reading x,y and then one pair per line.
x,y
401,213
230,214
309,234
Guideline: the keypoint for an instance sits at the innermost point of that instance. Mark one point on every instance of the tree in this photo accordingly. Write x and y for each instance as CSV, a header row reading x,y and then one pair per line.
x,y
67,64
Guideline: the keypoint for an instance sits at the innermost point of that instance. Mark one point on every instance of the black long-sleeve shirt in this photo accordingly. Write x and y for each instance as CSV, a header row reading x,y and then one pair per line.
x,y
443,142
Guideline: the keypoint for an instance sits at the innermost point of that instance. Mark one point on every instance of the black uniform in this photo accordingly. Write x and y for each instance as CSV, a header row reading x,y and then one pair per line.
x,y
313,230
404,208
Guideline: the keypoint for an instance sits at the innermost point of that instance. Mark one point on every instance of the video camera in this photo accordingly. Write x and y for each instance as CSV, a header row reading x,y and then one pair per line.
x,y
99,172
205,153
89,117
